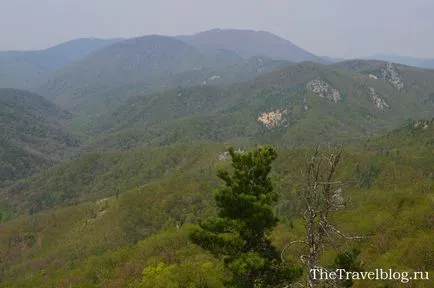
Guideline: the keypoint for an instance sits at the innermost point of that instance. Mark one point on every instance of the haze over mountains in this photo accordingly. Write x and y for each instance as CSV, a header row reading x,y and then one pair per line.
x,y
20,69
32,69
247,43
147,85
410,61
219,85
150,61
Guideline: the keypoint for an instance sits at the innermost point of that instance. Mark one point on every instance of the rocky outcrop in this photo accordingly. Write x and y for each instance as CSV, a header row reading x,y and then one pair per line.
x,y
212,78
225,155
259,65
273,119
379,103
305,105
323,90
422,124
390,74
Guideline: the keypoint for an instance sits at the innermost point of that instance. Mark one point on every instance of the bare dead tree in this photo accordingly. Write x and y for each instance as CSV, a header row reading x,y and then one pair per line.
x,y
321,194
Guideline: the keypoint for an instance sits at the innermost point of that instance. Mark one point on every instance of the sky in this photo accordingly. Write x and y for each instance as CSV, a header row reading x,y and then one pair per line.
x,y
335,28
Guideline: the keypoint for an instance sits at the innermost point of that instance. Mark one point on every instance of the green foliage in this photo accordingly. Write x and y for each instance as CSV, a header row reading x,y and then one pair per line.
x,y
230,113
185,274
119,214
33,134
367,177
240,232
95,175
91,241
349,262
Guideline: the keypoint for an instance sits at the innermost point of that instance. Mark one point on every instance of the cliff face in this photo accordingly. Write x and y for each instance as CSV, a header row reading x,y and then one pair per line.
x,y
273,119
324,90
390,74
379,103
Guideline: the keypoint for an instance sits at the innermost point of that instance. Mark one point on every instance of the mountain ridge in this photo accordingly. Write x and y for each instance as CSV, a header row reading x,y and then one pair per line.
x,y
21,69
427,63
249,43
153,61
293,104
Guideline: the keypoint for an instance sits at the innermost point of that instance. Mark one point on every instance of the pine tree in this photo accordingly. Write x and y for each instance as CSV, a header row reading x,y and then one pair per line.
x,y
240,232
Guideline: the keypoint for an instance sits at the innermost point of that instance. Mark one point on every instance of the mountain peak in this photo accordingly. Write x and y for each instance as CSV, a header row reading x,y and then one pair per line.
x,y
250,43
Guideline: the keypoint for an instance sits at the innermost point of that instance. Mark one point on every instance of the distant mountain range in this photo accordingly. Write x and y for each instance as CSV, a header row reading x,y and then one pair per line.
x,y
404,60
19,69
150,62
249,43
25,69
29,69
158,90
410,61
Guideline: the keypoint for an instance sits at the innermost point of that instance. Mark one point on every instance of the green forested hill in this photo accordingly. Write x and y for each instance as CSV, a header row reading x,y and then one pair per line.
x,y
106,192
228,70
32,132
98,174
119,214
155,61
298,104
132,234
119,64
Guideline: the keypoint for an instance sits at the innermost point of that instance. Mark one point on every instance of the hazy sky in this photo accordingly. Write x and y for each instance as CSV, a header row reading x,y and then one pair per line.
x,y
338,28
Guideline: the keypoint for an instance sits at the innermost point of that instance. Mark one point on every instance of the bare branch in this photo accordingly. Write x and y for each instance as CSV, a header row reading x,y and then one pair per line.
x,y
321,197
330,183
343,235
289,244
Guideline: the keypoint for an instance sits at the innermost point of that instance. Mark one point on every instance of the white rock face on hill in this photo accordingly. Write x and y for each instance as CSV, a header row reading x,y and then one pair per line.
x,y
390,74
259,65
212,78
225,155
423,124
379,103
323,90
273,119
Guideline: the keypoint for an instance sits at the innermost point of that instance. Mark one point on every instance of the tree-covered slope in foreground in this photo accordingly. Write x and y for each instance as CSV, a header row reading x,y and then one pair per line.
x,y
138,236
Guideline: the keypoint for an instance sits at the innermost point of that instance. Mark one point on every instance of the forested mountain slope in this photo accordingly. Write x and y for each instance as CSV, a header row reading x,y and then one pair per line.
x,y
389,192
32,132
224,72
144,64
299,104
